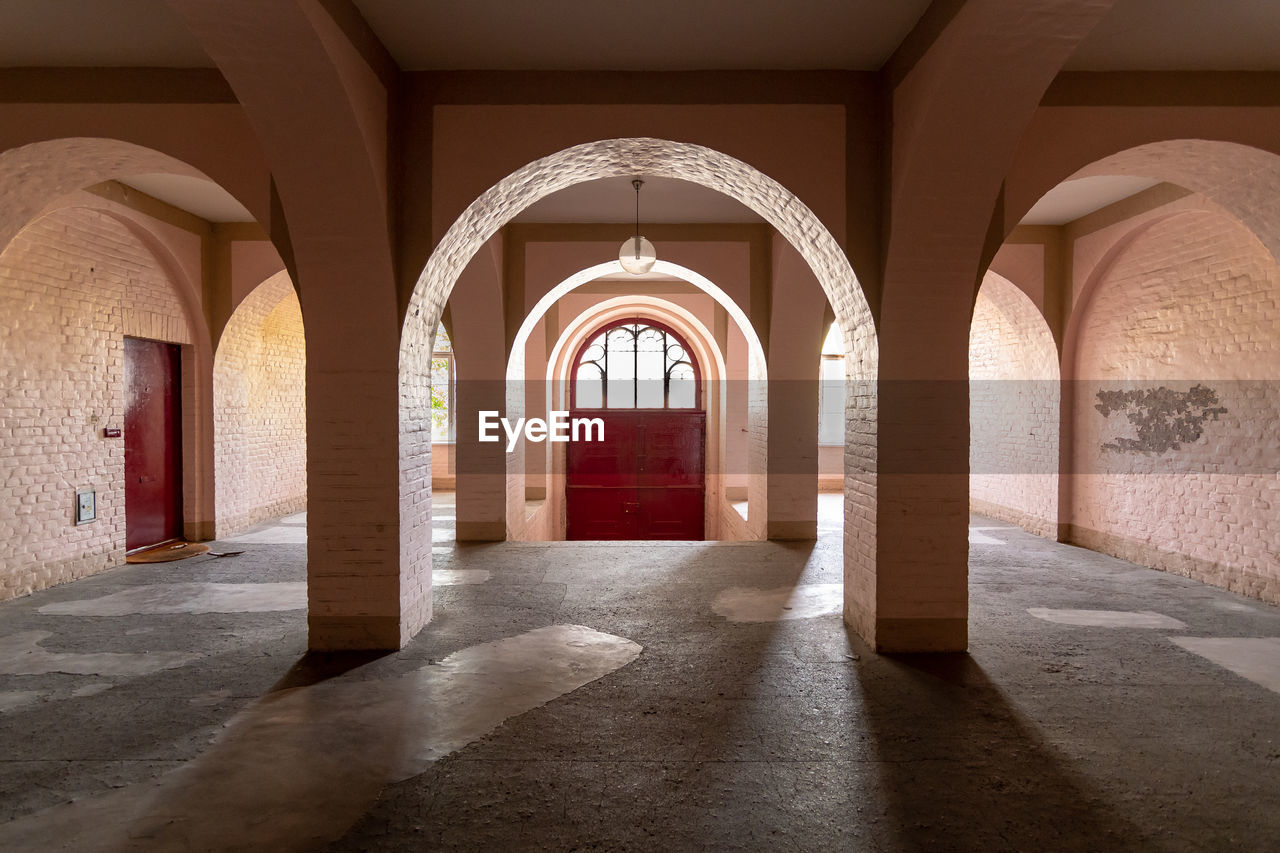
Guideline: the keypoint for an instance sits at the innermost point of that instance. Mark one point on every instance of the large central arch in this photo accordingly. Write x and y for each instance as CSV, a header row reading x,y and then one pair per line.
x,y
591,161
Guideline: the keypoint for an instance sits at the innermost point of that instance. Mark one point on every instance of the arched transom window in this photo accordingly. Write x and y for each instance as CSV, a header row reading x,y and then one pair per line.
x,y
635,364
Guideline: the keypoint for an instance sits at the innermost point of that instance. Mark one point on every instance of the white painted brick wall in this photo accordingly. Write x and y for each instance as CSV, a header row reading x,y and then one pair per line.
x,y
260,419
1014,404
1194,299
72,285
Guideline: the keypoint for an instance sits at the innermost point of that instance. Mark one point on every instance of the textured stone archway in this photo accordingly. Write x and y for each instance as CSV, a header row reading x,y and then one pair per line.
x,y
38,173
1241,179
614,158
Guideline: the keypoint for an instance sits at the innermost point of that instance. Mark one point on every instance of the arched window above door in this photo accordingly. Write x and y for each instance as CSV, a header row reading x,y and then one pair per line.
x,y
636,364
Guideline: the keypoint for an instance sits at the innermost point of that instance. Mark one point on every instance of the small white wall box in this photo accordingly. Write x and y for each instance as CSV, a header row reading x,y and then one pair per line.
x,y
86,506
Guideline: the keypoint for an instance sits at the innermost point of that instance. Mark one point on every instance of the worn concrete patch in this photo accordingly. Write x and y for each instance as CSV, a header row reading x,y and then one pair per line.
x,y
92,689
457,577
12,699
21,654
1108,618
278,535
333,746
188,598
1254,658
218,597
744,604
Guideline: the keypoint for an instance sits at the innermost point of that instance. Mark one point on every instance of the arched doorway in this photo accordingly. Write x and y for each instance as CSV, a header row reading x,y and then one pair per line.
x,y
641,475
793,221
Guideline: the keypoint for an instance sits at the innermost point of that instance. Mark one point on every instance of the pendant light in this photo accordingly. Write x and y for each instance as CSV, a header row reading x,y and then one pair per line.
x,y
637,255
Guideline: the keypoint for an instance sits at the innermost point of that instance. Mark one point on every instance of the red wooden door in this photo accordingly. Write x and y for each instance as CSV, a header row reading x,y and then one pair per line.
x,y
645,480
152,443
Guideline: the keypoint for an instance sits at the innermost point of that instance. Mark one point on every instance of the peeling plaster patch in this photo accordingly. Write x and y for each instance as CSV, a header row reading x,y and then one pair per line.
x,y
1162,419
1254,658
21,654
278,535
331,748
745,604
457,577
13,699
189,598
977,538
1108,618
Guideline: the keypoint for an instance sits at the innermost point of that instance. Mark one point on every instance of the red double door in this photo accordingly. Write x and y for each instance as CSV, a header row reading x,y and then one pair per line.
x,y
152,443
645,480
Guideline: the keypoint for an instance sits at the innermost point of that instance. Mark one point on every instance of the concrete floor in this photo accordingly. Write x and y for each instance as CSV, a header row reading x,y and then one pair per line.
x,y
672,696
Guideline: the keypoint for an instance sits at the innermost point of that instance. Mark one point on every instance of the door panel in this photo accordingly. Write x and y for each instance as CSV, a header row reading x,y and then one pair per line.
x,y
152,443
602,512
646,480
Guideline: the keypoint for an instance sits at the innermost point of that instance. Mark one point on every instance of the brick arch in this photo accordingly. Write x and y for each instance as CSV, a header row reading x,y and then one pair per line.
x,y
39,173
706,353
1014,409
658,157
757,366
1243,180
259,394
622,157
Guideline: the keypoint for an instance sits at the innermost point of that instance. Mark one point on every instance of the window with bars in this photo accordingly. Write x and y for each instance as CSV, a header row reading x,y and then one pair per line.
x,y
636,364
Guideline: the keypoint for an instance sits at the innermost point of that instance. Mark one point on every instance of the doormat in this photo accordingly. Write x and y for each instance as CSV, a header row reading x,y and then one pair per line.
x,y
167,553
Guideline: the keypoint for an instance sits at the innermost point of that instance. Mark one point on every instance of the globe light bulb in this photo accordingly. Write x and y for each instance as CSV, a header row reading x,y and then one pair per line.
x,y
637,256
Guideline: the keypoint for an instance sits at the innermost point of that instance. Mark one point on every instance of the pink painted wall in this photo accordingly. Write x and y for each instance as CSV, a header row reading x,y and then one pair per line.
x,y
73,284
1192,300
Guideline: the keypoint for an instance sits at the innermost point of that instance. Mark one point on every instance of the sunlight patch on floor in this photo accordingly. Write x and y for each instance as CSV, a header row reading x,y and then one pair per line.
x,y
298,767
1108,618
745,604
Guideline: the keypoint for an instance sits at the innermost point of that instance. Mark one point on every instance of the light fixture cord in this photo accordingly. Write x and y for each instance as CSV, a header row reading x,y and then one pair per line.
x,y
637,183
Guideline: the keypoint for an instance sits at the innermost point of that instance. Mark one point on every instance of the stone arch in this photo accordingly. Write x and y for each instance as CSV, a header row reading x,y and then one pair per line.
x,y
621,157
1014,409
712,369
1243,180
757,390
259,393
38,173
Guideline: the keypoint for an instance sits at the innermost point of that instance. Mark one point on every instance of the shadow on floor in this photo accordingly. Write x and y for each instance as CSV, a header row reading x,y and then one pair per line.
x,y
960,768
